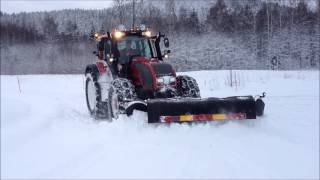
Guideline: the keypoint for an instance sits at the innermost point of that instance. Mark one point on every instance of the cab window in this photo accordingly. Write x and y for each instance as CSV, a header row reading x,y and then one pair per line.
x,y
134,45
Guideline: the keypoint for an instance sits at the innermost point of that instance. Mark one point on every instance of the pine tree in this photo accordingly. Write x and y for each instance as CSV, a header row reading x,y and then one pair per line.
x,y
182,19
50,27
219,18
171,14
193,23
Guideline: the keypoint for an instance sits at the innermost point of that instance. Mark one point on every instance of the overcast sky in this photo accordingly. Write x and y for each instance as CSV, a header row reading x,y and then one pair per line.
x,y
16,6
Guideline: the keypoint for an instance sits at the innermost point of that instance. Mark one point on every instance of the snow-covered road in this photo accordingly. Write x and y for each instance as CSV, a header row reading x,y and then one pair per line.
x,y
46,132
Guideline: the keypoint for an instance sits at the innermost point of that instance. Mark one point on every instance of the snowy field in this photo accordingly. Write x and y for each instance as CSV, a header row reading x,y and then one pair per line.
x,y
46,132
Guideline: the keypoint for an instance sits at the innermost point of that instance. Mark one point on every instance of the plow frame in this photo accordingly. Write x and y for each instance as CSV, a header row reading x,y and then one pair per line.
x,y
178,110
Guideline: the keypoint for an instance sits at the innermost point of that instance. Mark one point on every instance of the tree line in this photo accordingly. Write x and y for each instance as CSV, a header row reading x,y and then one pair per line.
x,y
267,16
251,34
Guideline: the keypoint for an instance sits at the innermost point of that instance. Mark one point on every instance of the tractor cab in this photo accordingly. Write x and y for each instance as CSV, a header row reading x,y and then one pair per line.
x,y
135,55
119,47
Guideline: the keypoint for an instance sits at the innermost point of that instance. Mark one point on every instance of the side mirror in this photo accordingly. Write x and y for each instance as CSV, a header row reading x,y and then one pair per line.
x,y
166,42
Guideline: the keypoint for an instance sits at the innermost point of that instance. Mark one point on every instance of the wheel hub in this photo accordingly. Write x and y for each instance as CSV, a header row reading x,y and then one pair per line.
x,y
91,95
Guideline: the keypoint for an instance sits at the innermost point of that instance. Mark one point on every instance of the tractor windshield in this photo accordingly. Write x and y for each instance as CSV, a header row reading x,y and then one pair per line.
x,y
133,46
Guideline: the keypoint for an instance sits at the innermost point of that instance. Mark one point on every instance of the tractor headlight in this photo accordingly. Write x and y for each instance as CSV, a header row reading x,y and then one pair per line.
x,y
166,80
147,33
118,34
172,79
160,80
96,35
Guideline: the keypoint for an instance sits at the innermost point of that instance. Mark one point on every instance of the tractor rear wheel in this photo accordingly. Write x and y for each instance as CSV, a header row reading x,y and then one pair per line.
x,y
187,87
97,108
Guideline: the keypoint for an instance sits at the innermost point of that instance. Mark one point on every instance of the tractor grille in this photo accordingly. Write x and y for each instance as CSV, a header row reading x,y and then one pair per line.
x,y
162,69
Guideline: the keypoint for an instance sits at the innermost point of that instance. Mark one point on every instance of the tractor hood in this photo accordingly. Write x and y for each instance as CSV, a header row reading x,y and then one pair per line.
x,y
163,69
146,71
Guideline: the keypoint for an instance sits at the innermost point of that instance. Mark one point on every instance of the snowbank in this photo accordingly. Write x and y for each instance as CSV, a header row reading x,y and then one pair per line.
x,y
46,132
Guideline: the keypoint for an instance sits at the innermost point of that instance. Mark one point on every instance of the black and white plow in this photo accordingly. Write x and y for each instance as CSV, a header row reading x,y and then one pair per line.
x,y
172,110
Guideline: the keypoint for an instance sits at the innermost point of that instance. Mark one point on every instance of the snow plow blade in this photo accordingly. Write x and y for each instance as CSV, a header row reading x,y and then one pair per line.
x,y
209,109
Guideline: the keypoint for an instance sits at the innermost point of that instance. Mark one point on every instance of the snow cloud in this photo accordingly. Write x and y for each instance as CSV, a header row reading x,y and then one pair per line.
x,y
12,6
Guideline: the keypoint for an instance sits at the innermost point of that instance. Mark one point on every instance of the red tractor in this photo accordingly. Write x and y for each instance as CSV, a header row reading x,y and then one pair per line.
x,y
130,73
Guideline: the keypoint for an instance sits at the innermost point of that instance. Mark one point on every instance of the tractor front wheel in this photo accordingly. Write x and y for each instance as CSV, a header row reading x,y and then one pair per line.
x,y
187,87
121,92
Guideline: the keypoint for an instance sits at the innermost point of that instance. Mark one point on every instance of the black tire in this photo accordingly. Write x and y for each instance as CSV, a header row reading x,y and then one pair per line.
x,y
97,108
121,92
187,87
